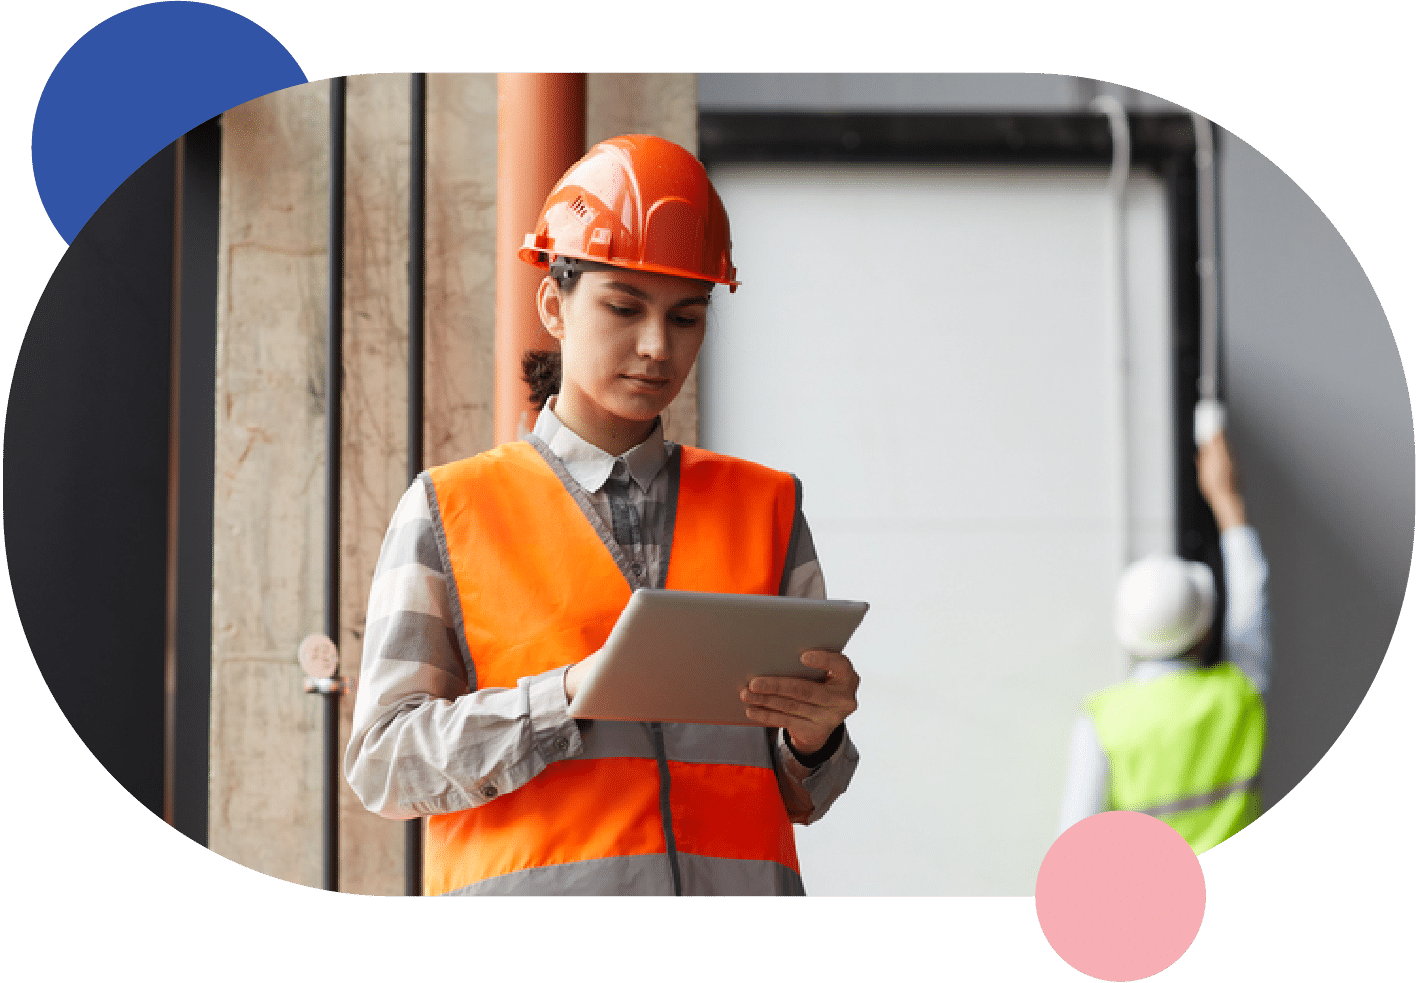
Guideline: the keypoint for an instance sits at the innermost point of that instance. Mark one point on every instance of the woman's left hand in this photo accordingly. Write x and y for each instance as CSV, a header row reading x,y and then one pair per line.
x,y
807,710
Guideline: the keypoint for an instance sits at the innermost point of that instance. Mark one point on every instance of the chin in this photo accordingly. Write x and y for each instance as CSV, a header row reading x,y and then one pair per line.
x,y
643,407
639,412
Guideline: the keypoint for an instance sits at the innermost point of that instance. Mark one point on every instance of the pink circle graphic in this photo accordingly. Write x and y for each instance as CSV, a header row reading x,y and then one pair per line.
x,y
1120,896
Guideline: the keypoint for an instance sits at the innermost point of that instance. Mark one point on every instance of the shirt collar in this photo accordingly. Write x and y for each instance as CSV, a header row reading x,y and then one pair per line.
x,y
590,466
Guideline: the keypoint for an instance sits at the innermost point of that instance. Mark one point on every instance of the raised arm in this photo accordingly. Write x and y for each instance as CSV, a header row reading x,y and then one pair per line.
x,y
1246,621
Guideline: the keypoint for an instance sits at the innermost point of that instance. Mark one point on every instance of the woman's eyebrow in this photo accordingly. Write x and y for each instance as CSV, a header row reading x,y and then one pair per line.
x,y
627,288
634,291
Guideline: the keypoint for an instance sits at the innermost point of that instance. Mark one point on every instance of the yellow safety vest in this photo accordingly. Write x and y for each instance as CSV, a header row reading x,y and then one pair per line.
x,y
1186,748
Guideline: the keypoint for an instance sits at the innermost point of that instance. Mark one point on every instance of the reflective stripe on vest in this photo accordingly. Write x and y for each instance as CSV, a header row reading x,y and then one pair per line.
x,y
538,589
1186,748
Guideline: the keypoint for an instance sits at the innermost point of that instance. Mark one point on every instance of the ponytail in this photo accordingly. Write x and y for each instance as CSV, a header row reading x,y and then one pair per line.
x,y
542,372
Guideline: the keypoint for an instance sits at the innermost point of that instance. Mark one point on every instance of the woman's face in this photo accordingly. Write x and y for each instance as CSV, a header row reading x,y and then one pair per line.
x,y
627,340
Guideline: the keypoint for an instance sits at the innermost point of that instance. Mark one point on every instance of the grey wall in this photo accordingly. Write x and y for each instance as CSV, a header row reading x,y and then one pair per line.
x,y
1321,422
1319,411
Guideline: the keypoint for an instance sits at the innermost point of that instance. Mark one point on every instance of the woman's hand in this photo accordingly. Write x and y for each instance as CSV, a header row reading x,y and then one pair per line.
x,y
807,710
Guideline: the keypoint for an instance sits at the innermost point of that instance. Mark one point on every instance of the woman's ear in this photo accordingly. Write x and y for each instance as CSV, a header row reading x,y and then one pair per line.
x,y
548,304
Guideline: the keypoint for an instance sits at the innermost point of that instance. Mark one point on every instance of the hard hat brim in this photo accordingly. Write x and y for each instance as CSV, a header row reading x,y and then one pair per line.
x,y
541,258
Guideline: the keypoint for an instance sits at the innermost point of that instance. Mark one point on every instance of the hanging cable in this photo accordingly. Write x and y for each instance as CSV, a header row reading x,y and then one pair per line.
x,y
1116,185
1209,292
1209,411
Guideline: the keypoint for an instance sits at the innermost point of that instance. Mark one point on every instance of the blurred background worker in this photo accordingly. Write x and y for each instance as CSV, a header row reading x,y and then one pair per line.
x,y
1181,740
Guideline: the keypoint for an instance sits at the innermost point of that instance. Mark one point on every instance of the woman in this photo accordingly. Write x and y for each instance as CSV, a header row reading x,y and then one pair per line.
x,y
502,575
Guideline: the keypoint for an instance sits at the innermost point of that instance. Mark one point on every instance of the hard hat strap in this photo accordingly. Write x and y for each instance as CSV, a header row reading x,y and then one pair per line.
x,y
566,270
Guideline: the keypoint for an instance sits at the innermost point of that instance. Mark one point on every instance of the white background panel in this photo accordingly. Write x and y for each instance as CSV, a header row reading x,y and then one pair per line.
x,y
930,350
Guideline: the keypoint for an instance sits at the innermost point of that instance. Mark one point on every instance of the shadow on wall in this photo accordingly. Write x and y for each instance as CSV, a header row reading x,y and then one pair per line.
x,y
1321,422
1333,607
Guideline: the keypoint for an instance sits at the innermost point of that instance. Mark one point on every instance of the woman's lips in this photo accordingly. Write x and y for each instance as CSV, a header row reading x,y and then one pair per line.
x,y
647,382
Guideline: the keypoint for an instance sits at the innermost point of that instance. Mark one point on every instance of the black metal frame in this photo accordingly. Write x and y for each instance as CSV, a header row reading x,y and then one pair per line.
x,y
334,431
417,211
1163,143
196,457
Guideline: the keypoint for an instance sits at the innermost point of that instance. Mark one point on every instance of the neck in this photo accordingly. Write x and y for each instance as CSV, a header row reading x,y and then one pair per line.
x,y
612,435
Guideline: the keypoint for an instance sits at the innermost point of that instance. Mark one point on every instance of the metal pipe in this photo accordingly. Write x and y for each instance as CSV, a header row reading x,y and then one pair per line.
x,y
540,133
1120,332
1116,186
334,395
417,173
1208,266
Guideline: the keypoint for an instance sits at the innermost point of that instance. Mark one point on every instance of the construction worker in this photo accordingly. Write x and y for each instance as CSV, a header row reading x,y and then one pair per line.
x,y
1180,740
501,576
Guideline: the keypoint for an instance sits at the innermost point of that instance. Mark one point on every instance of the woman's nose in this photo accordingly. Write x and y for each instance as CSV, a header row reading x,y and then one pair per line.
x,y
654,339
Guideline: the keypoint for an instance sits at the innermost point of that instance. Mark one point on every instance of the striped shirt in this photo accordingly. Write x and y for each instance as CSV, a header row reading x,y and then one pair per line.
x,y
426,740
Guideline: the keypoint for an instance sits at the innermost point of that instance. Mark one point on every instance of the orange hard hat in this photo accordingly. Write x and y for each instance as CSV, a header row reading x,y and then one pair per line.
x,y
641,203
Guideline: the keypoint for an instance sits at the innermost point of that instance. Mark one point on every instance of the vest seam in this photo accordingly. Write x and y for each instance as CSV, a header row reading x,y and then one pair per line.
x,y
582,501
454,596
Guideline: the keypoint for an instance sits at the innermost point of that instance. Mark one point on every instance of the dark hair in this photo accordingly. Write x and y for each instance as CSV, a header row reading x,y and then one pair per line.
x,y
542,372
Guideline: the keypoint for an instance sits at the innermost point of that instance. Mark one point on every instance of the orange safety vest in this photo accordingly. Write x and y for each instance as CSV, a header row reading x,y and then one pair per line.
x,y
538,590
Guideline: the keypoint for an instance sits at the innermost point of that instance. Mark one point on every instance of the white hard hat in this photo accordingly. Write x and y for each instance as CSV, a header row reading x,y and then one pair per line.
x,y
1164,605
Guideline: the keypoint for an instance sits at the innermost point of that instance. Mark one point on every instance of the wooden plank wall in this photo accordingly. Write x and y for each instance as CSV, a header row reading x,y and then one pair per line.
x,y
268,552
269,502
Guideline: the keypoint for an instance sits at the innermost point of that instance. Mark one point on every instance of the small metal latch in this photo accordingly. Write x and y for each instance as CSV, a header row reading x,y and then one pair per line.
x,y
319,657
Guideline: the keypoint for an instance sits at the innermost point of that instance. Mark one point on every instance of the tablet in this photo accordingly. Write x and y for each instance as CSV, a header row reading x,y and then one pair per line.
x,y
684,655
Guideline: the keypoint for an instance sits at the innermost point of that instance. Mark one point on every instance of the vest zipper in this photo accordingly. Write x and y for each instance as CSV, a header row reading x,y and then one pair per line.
x,y
665,812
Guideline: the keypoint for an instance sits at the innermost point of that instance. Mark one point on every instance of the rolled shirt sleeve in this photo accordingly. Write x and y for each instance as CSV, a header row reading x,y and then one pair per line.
x,y
1247,640
424,739
1088,775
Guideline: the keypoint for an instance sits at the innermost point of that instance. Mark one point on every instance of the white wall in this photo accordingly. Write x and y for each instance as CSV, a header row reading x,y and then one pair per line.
x,y
931,351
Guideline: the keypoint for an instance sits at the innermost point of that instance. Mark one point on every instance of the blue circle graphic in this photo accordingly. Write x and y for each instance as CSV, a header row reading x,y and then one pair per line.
x,y
135,83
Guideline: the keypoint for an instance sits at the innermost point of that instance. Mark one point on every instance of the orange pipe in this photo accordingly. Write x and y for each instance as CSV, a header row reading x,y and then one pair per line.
x,y
540,133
